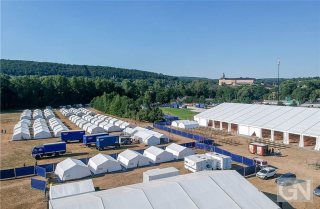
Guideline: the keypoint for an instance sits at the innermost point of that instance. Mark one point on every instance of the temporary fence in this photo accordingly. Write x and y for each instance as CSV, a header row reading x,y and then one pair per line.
x,y
45,168
195,137
38,184
40,171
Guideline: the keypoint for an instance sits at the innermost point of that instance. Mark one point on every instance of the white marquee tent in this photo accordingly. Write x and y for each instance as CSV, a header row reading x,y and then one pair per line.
x,y
178,151
158,155
201,190
70,169
252,119
71,189
102,163
132,159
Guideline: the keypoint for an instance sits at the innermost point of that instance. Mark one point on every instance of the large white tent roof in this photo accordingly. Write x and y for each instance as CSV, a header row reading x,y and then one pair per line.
x,y
69,189
201,190
298,120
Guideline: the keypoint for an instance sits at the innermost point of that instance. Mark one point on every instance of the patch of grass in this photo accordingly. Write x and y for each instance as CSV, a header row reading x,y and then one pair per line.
x,y
184,114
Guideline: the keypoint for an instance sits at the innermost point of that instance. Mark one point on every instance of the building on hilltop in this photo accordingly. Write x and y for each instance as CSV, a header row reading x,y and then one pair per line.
x,y
235,81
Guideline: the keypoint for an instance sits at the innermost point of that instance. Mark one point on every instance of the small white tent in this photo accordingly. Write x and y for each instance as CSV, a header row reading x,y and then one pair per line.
x,y
20,134
111,128
158,155
70,169
93,129
71,189
41,133
178,151
102,163
132,159
146,138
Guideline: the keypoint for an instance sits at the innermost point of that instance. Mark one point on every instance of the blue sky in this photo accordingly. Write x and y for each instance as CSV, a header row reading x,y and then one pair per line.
x,y
183,38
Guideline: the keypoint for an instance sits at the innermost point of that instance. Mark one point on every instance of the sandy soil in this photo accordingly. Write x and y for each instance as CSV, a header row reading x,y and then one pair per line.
x,y
18,153
18,194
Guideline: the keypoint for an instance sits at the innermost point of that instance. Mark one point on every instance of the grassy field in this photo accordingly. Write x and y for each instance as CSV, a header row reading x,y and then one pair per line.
x,y
181,113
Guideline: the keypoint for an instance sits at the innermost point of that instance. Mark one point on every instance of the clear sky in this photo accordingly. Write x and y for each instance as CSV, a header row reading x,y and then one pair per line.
x,y
183,38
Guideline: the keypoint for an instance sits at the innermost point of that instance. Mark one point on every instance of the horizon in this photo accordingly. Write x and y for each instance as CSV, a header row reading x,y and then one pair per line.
x,y
183,39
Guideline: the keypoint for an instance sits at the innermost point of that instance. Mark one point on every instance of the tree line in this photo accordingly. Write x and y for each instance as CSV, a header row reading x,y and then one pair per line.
x,y
126,107
20,67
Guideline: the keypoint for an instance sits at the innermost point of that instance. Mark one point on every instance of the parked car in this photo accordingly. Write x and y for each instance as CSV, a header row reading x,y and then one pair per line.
x,y
286,179
260,162
266,172
316,191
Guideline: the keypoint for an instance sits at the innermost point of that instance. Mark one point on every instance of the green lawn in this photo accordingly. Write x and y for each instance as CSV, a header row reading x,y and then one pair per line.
x,y
183,114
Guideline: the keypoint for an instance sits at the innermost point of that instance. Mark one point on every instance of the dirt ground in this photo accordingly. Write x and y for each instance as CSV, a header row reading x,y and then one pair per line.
x,y
18,153
18,194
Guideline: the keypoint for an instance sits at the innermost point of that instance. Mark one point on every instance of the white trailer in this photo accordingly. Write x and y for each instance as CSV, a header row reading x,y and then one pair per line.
x,y
199,162
224,162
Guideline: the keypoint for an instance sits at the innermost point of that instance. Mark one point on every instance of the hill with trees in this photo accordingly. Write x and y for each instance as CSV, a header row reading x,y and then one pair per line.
x,y
19,67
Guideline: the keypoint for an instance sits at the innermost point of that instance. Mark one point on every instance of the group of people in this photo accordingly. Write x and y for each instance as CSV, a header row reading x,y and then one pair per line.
x,y
3,131
273,152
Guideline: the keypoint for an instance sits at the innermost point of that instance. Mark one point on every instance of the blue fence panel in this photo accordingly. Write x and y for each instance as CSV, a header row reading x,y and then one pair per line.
x,y
250,170
190,136
38,184
48,167
237,158
247,161
218,150
227,153
40,171
7,174
240,171
25,171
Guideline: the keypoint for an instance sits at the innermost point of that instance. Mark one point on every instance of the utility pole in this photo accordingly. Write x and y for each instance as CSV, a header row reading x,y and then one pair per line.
x,y
278,82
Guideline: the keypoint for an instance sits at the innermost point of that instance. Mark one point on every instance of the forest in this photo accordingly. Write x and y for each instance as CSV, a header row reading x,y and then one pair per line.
x,y
20,67
139,97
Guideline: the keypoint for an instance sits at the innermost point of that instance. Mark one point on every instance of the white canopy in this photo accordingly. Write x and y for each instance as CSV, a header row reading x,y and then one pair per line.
x,y
158,155
178,151
71,189
111,128
132,159
70,169
146,138
102,163
201,190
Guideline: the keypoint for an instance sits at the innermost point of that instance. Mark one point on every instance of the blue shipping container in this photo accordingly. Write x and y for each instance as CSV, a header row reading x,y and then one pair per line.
x,y
76,135
91,139
106,141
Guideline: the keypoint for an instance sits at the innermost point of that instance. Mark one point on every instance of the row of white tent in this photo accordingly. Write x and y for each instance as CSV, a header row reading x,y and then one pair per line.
x,y
37,113
48,113
57,126
85,125
67,113
185,124
21,130
40,129
70,169
26,114
146,136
